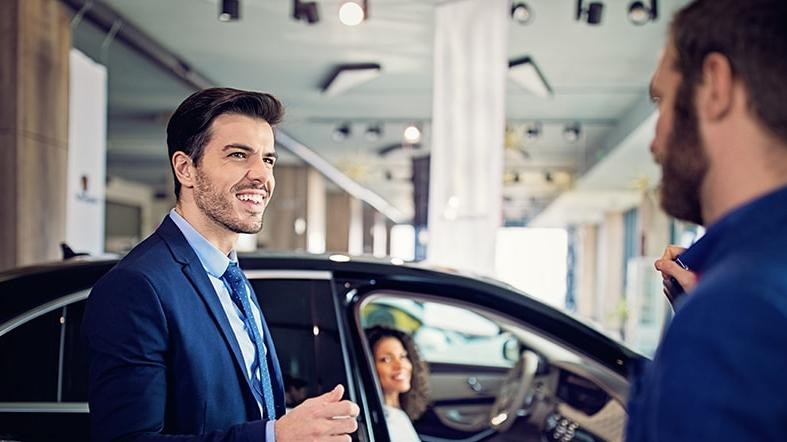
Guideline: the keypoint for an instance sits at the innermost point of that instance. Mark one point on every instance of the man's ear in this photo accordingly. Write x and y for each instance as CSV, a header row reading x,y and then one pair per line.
x,y
183,166
715,94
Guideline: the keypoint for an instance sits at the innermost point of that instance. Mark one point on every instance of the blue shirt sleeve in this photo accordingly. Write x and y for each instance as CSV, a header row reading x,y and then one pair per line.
x,y
270,431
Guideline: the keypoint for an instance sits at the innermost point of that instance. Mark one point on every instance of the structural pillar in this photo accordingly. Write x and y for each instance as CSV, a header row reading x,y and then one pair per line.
x,y
285,219
315,212
35,39
468,122
338,221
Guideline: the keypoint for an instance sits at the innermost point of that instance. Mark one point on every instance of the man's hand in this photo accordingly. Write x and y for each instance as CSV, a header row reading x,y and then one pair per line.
x,y
323,418
671,269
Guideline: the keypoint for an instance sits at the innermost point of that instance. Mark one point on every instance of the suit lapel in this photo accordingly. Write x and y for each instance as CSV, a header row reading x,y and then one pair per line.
x,y
196,274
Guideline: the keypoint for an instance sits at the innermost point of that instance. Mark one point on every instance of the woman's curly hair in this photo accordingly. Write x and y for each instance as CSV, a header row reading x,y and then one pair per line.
x,y
415,401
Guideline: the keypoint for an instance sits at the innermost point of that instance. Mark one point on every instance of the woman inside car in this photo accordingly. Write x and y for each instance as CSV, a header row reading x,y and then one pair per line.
x,y
403,380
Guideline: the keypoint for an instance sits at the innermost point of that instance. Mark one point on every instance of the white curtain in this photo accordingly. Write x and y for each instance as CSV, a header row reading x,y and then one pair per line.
x,y
465,183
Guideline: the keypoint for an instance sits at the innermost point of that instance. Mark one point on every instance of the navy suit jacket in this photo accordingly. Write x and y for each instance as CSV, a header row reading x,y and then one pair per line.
x,y
162,357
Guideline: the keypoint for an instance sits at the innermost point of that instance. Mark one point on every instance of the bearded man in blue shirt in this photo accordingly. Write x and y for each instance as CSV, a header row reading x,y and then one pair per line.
x,y
720,373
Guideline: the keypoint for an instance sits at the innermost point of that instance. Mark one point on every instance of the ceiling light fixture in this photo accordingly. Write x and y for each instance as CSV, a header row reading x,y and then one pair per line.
x,y
353,12
592,13
305,11
571,132
341,132
521,13
412,134
374,132
348,76
230,10
533,131
524,72
639,14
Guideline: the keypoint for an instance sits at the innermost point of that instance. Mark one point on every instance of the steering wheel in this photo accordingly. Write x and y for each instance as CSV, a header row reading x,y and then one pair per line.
x,y
513,391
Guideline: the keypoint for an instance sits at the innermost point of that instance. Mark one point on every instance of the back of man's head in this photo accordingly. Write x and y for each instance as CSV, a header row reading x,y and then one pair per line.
x,y
752,34
189,127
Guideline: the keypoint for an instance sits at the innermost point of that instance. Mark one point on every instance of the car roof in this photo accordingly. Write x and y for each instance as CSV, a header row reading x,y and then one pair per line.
x,y
28,287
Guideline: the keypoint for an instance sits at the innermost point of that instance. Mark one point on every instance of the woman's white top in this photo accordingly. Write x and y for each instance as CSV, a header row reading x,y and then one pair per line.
x,y
400,428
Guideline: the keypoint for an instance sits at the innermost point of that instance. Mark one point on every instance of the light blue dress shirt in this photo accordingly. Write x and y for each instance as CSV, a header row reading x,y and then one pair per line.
x,y
215,264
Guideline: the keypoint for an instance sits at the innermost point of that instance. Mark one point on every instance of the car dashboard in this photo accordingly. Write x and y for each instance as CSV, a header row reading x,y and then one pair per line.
x,y
567,406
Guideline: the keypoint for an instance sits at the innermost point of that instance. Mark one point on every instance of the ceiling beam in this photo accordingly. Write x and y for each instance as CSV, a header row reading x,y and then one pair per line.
x,y
105,18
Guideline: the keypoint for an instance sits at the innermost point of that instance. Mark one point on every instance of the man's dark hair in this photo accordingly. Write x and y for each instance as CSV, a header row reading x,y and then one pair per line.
x,y
189,127
752,34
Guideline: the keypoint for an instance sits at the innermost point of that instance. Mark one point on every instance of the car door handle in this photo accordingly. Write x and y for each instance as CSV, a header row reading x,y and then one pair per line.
x,y
474,384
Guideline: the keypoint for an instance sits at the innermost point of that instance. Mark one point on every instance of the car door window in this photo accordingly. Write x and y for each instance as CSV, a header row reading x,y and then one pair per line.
x,y
29,362
443,333
302,319
74,380
465,353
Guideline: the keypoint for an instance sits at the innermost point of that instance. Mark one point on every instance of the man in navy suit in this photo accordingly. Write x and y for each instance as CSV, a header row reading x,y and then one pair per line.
x,y
720,373
177,344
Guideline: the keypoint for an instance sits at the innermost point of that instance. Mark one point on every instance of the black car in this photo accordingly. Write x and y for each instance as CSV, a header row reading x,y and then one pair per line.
x,y
503,365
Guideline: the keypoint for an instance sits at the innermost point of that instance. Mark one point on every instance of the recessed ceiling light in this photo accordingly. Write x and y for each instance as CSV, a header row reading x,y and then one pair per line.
x,y
521,13
352,13
639,14
412,134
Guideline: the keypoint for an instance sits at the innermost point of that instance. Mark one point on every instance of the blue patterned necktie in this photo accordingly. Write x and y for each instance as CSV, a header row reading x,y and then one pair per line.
x,y
261,387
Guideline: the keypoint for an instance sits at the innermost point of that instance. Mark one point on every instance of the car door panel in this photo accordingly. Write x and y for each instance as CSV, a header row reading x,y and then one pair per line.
x,y
461,396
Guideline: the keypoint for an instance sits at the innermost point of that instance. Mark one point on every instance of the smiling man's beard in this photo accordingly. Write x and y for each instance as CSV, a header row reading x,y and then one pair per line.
x,y
219,208
684,164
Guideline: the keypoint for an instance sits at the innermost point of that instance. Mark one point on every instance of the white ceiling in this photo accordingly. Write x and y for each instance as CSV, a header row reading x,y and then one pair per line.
x,y
599,75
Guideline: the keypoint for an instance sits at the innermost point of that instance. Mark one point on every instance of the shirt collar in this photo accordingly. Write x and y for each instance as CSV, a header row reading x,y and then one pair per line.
x,y
735,228
213,260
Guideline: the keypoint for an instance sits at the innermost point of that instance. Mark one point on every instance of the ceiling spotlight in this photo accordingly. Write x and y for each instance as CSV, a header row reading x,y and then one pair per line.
x,y
571,132
412,134
521,13
230,10
524,72
592,13
341,132
373,132
353,12
305,11
533,131
639,14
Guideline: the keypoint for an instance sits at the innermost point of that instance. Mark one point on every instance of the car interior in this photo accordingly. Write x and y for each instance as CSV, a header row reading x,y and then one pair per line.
x,y
494,378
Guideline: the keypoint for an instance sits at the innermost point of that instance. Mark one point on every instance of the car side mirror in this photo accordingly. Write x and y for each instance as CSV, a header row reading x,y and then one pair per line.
x,y
512,349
